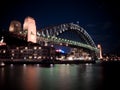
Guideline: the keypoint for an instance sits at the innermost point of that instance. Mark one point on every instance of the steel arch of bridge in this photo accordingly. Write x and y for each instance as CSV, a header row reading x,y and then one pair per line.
x,y
56,30
51,34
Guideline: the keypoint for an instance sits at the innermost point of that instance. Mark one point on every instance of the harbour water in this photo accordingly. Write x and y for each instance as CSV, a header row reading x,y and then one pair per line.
x,y
60,77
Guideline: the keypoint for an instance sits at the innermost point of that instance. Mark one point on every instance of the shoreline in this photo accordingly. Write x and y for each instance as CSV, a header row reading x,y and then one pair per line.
x,y
47,62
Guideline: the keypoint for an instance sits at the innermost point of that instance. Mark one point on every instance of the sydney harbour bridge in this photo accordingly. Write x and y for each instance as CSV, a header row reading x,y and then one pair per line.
x,y
49,36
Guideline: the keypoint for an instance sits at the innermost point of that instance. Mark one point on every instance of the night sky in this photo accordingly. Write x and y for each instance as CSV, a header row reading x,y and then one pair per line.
x,y
100,18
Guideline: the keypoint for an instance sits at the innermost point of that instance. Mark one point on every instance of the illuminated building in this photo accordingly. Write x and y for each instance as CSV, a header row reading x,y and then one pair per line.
x,y
18,48
29,25
15,26
30,52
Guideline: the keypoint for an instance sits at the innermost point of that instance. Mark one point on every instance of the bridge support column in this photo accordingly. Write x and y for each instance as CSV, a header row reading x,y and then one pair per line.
x,y
100,51
29,25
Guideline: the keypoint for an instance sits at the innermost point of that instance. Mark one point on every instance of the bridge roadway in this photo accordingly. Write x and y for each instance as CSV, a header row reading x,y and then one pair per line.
x,y
61,41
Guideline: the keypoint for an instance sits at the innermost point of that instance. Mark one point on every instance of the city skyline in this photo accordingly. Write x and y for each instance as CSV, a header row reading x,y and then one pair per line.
x,y
98,18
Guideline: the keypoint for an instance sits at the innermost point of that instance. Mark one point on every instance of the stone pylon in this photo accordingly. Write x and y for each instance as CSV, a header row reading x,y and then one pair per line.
x,y
100,51
30,26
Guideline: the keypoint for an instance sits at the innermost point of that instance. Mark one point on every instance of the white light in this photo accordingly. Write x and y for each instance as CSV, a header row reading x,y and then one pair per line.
x,y
24,65
39,57
24,57
39,47
70,58
11,65
13,54
2,64
51,65
17,47
21,51
26,47
35,48
4,51
86,64
38,65
30,57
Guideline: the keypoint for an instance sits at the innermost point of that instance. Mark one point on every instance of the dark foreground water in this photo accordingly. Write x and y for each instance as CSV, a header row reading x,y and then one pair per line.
x,y
60,77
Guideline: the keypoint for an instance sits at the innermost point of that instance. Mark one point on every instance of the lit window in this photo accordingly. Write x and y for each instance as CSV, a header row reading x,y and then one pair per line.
x,y
30,57
60,43
46,44
26,47
39,47
21,51
35,57
51,45
12,50
24,57
39,57
4,51
17,48
35,48
20,32
44,57
51,57
66,44
13,54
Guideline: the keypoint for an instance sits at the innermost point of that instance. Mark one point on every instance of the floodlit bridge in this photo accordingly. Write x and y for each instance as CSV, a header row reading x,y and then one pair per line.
x,y
50,35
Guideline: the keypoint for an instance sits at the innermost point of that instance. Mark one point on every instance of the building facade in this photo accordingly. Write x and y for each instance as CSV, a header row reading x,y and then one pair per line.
x,y
27,53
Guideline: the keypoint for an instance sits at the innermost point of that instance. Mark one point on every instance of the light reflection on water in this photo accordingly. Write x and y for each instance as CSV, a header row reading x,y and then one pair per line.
x,y
53,77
